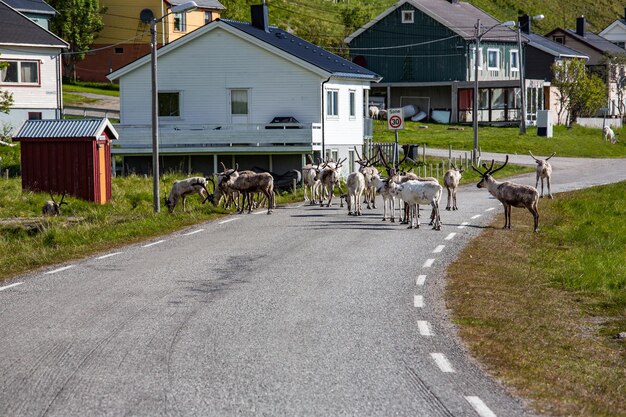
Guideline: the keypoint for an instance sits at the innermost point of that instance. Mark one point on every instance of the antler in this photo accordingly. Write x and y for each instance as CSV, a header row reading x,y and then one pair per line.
x,y
357,154
62,198
553,153
223,166
52,197
531,154
506,161
308,157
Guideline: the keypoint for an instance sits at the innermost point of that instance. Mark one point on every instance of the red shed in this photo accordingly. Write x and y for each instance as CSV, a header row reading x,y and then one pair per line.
x,y
68,156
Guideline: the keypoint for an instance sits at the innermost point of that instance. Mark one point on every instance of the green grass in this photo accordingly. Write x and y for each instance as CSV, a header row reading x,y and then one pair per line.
x,y
28,240
575,142
540,310
77,100
112,90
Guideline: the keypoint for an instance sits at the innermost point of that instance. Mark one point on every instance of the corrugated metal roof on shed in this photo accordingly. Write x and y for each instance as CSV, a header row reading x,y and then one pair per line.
x,y
70,128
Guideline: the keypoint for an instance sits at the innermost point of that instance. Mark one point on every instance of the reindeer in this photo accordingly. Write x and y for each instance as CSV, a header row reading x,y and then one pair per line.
x,y
182,188
368,170
414,193
509,193
250,183
52,208
329,178
451,180
355,185
544,170
309,172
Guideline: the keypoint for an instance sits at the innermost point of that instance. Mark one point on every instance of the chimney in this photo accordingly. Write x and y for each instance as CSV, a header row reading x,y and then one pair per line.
x,y
524,23
454,1
259,16
580,26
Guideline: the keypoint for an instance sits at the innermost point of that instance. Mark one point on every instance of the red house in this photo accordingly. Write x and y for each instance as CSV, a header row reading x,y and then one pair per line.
x,y
67,156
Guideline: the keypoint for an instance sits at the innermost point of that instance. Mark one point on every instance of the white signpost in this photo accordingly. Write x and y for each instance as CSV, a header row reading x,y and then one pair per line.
x,y
395,121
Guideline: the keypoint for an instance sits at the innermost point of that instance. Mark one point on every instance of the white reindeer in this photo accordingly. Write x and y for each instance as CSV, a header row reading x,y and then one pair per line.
x,y
414,193
329,178
183,188
356,186
368,170
509,194
374,112
451,180
544,170
608,134
309,172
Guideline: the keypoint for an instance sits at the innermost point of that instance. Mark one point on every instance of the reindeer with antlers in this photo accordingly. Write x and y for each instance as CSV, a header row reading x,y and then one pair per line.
x,y
369,171
544,170
509,194
52,208
329,178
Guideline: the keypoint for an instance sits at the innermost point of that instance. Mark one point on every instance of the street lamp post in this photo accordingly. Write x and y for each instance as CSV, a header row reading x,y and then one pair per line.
x,y
478,35
185,7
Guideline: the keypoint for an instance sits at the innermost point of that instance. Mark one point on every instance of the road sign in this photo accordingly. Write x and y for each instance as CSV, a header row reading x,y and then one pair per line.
x,y
395,119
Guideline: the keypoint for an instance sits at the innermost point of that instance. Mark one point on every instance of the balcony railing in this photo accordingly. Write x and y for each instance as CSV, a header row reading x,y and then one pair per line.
x,y
219,138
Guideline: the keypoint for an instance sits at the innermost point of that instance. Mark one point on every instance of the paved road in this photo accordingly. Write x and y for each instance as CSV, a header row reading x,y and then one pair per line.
x,y
305,312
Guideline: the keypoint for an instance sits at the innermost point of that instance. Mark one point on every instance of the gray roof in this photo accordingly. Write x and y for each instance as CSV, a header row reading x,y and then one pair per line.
x,y
67,128
552,48
31,6
17,29
596,41
203,4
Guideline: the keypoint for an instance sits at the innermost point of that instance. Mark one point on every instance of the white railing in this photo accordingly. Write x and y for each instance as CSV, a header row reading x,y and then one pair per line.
x,y
254,138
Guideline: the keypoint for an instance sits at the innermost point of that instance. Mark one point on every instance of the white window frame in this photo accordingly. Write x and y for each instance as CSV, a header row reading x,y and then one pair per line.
x,y
497,67
408,16
247,91
332,104
182,19
514,52
352,104
19,63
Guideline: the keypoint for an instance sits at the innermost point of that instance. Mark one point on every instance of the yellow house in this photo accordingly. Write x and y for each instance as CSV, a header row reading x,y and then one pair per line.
x,y
126,33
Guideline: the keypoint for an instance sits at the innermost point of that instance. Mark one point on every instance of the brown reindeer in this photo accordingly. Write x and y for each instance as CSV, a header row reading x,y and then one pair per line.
x,y
247,184
544,170
509,193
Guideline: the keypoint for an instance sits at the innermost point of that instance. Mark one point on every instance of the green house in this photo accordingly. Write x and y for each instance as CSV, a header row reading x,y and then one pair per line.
x,y
425,51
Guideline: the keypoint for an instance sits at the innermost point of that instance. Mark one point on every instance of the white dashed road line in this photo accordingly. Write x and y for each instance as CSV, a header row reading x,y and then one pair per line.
x,y
428,263
476,216
109,255
450,236
462,226
442,362
479,406
227,220
424,328
421,279
490,209
10,286
194,232
418,301
54,271
439,248
153,243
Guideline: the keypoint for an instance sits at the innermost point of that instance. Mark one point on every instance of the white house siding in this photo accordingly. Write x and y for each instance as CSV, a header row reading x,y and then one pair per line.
x,y
42,98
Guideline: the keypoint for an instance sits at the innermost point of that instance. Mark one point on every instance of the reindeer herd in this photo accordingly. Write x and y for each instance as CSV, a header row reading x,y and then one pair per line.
x,y
249,189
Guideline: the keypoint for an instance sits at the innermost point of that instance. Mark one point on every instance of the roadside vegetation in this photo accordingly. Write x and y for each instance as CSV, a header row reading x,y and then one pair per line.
x,y
542,311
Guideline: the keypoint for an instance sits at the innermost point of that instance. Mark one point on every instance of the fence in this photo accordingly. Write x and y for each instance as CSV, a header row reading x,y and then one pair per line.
x,y
599,122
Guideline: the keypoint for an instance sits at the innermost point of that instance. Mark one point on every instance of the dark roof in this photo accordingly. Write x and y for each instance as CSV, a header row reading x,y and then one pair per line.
x,y
31,6
65,128
15,28
551,47
203,4
305,51
596,41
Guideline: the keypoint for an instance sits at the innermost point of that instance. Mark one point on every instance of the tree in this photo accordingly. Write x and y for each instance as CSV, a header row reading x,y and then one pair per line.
x,y
78,22
6,98
578,93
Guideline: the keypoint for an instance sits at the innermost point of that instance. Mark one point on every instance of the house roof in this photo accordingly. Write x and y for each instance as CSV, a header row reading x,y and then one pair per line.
x,y
459,17
619,24
17,29
593,40
292,46
553,48
202,4
66,128
31,6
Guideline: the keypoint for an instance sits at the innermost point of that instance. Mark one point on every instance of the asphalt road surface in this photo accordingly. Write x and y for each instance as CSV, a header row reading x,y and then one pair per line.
x,y
305,312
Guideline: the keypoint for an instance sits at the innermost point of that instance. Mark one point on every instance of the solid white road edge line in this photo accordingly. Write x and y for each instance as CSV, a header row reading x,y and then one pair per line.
x,y
153,243
428,263
450,236
194,232
109,255
462,226
439,248
421,279
442,362
10,286
479,406
424,328
418,301
54,271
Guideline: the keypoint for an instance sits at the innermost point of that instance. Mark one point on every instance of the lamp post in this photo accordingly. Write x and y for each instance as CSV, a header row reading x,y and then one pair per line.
x,y
478,35
522,83
185,7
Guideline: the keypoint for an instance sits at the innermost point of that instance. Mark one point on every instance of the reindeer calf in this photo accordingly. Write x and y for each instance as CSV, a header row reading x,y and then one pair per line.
x,y
451,180
544,170
182,188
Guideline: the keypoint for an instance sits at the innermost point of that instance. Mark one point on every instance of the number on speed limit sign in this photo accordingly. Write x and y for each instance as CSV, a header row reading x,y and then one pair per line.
x,y
395,119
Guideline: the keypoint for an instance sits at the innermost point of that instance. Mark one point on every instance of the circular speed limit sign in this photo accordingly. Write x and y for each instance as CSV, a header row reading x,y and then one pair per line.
x,y
395,119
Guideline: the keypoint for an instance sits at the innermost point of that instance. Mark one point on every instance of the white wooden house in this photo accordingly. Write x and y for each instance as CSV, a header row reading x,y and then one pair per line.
x,y
221,86
33,74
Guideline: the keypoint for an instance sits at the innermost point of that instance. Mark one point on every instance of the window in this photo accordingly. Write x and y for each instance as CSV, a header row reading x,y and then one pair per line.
x,y
351,160
352,103
332,99
407,16
119,50
20,72
559,39
514,60
493,60
239,102
621,44
180,22
169,104
34,115
208,17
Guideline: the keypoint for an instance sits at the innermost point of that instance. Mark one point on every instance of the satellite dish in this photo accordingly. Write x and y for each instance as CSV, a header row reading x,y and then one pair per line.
x,y
146,16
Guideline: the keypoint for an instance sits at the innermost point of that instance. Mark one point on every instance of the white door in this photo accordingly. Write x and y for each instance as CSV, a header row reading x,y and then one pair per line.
x,y
239,107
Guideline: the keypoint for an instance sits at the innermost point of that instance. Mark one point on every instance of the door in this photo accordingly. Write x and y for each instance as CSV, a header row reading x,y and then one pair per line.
x,y
239,108
102,174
